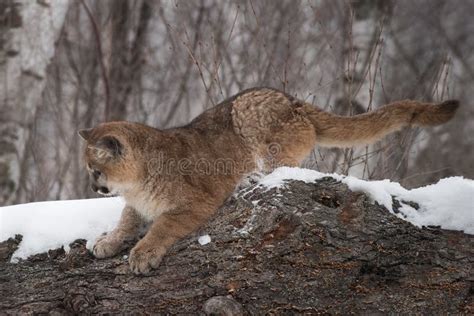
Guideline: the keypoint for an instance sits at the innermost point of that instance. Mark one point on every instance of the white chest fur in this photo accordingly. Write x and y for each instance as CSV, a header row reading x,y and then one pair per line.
x,y
149,208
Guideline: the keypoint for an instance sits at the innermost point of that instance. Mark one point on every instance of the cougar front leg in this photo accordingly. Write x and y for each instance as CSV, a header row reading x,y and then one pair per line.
x,y
128,228
163,233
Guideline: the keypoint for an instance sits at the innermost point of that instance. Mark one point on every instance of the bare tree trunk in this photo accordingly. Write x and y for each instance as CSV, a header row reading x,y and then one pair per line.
x,y
308,249
126,56
28,31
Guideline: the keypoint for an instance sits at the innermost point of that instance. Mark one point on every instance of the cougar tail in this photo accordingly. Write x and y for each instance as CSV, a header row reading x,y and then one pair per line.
x,y
346,131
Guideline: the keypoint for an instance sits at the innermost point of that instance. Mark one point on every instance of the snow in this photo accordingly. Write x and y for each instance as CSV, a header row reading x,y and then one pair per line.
x,y
277,177
448,203
204,240
49,225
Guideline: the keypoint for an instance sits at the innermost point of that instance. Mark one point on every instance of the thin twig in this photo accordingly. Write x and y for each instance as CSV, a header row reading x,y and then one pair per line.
x,y
226,46
103,69
198,65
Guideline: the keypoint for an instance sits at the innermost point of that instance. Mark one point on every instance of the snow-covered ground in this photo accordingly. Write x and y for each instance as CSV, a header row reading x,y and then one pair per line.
x,y
48,225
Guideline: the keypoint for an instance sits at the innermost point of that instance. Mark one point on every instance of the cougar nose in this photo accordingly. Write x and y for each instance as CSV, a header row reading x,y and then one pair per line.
x,y
94,188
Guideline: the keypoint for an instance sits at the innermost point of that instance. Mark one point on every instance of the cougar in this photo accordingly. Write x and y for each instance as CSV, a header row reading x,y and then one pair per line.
x,y
175,179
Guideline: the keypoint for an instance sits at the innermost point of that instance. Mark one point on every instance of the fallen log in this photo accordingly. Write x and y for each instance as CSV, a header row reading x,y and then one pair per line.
x,y
305,248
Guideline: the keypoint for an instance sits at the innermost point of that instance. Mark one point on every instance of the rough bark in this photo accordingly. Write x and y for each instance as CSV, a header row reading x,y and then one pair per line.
x,y
307,248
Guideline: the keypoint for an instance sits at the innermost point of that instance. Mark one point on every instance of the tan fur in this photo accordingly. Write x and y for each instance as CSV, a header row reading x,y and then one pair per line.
x,y
338,131
175,179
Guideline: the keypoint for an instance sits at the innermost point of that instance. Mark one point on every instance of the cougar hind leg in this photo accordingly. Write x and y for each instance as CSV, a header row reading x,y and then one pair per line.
x,y
288,145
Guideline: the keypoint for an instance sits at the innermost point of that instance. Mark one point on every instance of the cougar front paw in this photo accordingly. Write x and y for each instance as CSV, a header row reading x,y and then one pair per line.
x,y
107,246
145,258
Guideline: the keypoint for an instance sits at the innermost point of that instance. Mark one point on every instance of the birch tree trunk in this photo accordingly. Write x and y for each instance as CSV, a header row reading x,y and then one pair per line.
x,y
28,32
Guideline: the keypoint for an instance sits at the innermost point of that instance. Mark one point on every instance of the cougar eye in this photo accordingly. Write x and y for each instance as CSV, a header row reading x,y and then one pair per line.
x,y
96,173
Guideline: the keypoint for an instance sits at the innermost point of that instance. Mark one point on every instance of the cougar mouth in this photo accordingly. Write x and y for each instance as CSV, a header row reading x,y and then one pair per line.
x,y
102,190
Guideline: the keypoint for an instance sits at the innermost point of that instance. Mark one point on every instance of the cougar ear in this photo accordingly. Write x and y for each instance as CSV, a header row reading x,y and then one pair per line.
x,y
108,147
85,133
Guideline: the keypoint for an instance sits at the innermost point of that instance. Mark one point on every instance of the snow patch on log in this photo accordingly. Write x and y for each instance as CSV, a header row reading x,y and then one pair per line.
x,y
448,203
55,224
204,240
